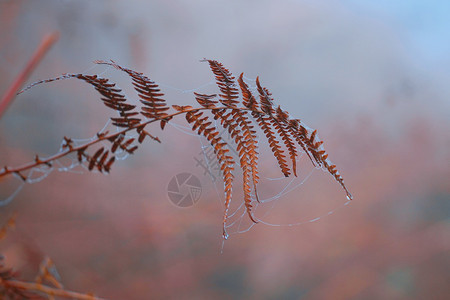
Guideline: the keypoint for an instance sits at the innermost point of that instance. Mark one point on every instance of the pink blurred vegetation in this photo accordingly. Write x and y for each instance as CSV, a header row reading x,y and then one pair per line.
x,y
118,236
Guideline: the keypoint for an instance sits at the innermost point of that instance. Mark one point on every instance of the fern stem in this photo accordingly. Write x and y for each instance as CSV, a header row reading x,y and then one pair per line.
x,y
47,161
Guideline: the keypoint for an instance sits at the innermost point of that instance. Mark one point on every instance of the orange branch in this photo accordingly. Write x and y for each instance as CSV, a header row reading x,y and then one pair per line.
x,y
43,48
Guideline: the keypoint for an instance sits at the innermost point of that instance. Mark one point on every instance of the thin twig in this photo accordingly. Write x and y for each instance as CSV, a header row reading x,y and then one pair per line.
x,y
43,48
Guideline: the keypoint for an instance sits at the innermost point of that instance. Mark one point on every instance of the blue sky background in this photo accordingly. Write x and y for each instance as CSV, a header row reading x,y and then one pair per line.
x,y
425,23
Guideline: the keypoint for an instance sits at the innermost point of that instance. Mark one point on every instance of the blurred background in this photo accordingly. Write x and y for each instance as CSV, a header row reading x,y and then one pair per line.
x,y
371,77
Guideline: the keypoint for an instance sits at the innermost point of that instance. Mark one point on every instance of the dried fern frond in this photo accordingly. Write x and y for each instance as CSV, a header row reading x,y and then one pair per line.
x,y
149,92
225,82
203,127
235,108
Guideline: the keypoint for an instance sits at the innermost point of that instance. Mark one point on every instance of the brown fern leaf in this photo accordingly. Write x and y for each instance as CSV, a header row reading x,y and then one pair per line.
x,y
225,81
246,143
299,133
183,108
93,160
316,149
147,90
265,121
248,99
321,157
107,166
119,141
246,147
98,160
250,102
238,125
265,98
102,160
206,100
143,133
112,97
279,123
278,119
246,171
116,142
249,144
312,147
338,177
202,126
241,131
126,146
265,124
81,154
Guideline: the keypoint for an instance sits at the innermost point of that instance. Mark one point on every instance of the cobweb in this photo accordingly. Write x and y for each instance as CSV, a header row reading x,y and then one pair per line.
x,y
11,187
68,164
270,198
281,187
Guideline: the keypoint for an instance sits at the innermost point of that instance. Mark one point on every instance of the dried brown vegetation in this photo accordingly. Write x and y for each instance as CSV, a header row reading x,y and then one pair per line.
x,y
234,107
46,285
